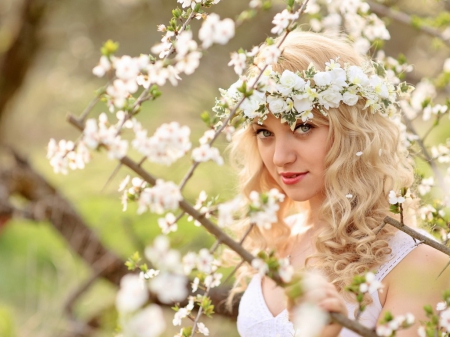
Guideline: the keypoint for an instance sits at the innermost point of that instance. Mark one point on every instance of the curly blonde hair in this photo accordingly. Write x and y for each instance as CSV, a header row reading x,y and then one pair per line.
x,y
350,244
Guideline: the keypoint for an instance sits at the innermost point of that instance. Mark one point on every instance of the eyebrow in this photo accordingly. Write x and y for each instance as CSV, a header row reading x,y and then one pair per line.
x,y
262,125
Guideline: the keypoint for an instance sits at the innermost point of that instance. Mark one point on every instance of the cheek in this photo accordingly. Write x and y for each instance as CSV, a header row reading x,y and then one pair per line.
x,y
266,154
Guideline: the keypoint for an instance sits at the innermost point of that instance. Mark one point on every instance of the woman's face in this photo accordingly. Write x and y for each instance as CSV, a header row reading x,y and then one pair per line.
x,y
294,159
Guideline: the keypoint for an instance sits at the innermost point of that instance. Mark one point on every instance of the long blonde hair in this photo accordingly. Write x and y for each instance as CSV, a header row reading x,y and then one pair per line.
x,y
349,245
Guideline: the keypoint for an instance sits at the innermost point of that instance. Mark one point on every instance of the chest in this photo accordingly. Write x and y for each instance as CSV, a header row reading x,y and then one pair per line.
x,y
274,295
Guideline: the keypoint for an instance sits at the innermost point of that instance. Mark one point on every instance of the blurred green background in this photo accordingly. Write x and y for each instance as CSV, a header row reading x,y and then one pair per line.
x,y
37,270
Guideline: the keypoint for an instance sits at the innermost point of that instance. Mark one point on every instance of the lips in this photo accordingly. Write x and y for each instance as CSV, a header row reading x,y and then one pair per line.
x,y
291,178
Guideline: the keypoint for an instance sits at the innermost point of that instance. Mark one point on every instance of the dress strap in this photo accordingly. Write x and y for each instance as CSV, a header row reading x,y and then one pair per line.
x,y
401,245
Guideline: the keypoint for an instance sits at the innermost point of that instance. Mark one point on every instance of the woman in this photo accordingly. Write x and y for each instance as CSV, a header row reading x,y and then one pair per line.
x,y
325,140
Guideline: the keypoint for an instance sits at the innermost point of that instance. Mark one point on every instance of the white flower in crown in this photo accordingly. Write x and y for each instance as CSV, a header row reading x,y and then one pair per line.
x,y
289,81
294,95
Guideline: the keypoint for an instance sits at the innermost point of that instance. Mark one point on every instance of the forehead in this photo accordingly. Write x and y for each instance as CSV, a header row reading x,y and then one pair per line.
x,y
272,121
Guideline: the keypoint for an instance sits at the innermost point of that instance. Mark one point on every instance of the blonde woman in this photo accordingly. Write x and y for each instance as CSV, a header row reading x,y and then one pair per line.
x,y
324,137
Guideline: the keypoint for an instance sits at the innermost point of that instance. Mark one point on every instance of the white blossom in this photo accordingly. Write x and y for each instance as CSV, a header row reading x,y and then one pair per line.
x,y
205,153
261,267
426,212
441,306
395,198
179,315
371,285
189,3
446,67
282,21
238,60
359,153
384,330
444,320
309,320
189,262
268,55
264,214
425,185
195,284
169,287
138,325
421,331
169,143
161,256
213,280
168,224
164,196
132,294
164,48
227,211
207,136
441,152
202,329
214,30
151,273
189,63
205,261
159,73
286,271
435,110
127,68
103,66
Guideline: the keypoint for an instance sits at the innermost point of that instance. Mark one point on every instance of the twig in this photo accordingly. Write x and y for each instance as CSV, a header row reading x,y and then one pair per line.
x,y
352,325
200,310
233,271
113,174
90,106
416,235
184,205
405,19
103,264
436,123
246,233
426,154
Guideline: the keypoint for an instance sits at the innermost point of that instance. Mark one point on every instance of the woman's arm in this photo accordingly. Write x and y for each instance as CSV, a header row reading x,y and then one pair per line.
x,y
413,283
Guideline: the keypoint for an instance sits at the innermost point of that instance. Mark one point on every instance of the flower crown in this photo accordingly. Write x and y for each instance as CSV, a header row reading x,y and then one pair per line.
x,y
292,96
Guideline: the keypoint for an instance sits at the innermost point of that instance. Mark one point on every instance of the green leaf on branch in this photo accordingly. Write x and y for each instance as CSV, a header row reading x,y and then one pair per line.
x,y
416,21
428,310
266,5
206,118
395,209
269,41
187,331
177,12
154,92
133,261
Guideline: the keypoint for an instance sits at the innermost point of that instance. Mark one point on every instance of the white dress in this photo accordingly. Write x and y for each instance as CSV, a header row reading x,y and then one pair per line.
x,y
255,319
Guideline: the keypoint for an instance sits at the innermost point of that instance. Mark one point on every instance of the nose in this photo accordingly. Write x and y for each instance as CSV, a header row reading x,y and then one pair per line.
x,y
284,153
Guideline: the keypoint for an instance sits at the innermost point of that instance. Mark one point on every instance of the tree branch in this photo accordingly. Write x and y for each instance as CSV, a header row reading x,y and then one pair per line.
x,y
406,19
17,59
425,153
417,236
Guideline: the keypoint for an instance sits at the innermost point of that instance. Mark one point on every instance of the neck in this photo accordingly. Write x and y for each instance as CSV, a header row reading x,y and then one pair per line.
x,y
314,205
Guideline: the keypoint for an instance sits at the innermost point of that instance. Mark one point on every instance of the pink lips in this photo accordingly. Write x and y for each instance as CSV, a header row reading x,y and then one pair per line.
x,y
291,178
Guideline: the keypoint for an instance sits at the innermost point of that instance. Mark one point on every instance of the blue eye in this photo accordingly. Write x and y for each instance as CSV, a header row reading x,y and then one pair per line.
x,y
263,133
303,128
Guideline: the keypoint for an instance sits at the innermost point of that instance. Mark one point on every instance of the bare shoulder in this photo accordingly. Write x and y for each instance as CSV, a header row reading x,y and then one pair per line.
x,y
423,265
